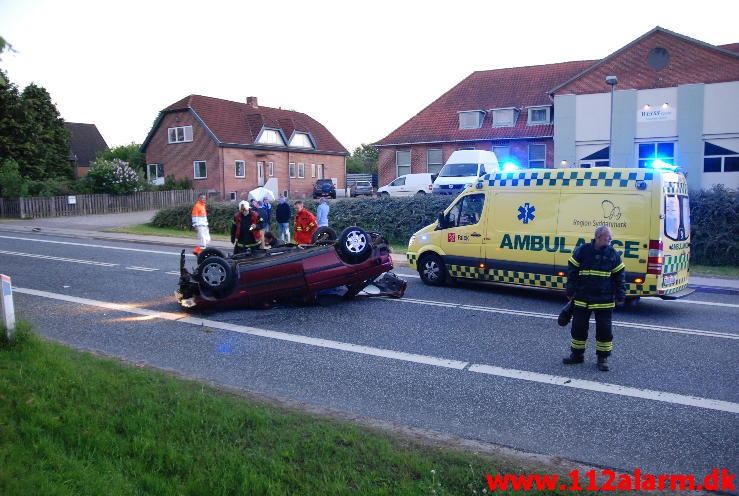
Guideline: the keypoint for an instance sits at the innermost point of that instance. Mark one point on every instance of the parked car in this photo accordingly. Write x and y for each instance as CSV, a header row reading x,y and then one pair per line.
x,y
408,185
324,187
346,264
361,188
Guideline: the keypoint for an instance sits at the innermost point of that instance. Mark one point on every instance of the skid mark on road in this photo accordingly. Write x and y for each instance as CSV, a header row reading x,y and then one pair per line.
x,y
551,380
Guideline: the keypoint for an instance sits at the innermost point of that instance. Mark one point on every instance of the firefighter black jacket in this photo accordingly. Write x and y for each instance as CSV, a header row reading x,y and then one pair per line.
x,y
596,276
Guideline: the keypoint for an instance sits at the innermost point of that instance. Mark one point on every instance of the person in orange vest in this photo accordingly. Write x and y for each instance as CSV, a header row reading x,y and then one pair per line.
x,y
305,224
200,224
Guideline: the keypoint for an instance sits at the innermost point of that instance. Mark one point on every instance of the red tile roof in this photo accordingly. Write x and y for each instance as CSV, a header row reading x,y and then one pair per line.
x,y
732,47
519,87
240,123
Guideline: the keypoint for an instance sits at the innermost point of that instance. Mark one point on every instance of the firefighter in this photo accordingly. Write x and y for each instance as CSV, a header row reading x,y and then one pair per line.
x,y
305,224
200,223
595,281
245,229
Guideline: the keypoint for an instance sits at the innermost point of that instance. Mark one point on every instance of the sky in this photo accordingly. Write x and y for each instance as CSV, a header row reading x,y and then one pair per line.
x,y
360,68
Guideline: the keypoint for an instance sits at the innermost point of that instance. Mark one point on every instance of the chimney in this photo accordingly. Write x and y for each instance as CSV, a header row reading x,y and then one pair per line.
x,y
252,101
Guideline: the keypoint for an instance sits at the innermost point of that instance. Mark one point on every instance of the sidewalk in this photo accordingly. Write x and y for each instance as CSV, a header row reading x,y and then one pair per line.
x,y
91,227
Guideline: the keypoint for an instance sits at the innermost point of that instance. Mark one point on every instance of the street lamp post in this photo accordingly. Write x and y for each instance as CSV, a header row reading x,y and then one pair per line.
x,y
611,81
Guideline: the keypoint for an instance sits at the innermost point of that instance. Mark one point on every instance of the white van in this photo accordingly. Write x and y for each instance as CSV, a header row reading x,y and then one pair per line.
x,y
408,184
462,170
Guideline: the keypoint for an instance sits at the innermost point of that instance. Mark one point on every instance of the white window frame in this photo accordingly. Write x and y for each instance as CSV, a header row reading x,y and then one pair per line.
x,y
514,117
291,169
480,119
236,169
271,168
301,136
312,170
179,134
232,195
398,172
279,140
157,179
536,161
548,120
440,164
319,171
655,144
195,169
301,170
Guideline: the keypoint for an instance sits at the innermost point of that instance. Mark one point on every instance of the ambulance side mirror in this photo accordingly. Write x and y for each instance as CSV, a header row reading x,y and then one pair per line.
x,y
442,221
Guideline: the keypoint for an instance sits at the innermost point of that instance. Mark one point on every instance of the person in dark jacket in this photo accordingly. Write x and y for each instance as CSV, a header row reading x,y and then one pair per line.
x,y
282,216
244,230
270,241
596,279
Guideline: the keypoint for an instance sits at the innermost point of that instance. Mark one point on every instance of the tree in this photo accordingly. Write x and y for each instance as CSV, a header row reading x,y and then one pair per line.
x,y
126,153
363,160
12,184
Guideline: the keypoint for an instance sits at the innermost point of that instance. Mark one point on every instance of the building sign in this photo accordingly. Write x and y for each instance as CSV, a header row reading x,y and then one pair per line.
x,y
650,113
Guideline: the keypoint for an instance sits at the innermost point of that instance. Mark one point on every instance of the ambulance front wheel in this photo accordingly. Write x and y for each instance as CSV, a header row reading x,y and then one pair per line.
x,y
432,270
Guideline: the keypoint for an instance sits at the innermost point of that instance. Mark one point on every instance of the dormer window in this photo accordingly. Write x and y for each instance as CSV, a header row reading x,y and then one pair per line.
x,y
301,140
505,117
471,119
540,115
270,137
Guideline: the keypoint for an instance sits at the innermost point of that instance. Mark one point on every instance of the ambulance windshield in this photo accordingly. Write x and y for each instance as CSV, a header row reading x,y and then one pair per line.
x,y
458,170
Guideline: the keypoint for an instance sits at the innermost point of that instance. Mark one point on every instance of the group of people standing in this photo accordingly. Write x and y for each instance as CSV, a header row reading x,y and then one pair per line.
x,y
250,225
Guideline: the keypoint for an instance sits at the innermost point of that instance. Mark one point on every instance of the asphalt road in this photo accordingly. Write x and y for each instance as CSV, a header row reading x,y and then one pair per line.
x,y
478,361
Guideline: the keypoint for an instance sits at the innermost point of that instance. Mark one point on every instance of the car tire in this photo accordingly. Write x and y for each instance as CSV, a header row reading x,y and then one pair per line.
x,y
420,193
384,194
432,270
323,234
210,252
216,277
354,245
333,195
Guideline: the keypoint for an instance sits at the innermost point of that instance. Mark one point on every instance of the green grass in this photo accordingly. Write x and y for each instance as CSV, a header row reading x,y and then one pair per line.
x,y
725,271
149,230
72,423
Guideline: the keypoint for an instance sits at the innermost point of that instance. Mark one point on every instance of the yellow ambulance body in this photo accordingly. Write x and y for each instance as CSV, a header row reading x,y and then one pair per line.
x,y
522,227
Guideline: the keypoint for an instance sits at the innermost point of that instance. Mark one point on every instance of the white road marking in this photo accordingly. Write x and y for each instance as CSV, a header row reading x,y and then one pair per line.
x,y
602,387
59,259
507,311
144,269
553,380
94,246
173,273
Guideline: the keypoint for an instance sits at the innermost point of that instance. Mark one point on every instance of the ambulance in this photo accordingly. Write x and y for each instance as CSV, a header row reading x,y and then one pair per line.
x,y
521,228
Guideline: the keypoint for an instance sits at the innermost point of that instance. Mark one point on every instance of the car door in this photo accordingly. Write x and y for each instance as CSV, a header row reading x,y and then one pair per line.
x,y
394,188
463,236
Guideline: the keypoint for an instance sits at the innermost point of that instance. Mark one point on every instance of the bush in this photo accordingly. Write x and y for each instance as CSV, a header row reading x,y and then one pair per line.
x,y
113,177
57,187
12,184
714,226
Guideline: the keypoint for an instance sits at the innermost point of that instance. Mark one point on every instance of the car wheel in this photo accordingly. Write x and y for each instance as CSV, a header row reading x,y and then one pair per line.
x,y
432,270
354,245
216,277
420,193
333,195
384,194
210,252
323,234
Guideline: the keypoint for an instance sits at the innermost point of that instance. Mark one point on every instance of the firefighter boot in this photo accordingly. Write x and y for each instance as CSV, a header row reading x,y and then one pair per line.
x,y
603,364
574,358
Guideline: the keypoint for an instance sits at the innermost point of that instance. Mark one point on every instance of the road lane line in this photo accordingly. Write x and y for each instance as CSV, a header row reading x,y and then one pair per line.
x,y
59,259
553,380
93,246
602,387
522,313
144,269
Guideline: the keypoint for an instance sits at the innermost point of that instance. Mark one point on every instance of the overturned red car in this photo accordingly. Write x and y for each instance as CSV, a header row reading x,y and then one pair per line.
x,y
354,263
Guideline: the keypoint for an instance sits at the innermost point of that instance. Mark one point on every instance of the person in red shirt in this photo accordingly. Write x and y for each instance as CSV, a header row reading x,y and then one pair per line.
x,y
305,224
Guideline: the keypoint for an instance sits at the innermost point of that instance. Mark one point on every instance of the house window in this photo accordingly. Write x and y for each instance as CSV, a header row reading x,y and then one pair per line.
x,y
599,158
200,170
403,162
301,170
240,169
312,170
466,148
301,140
537,155
319,171
270,137
155,173
471,119
539,115
232,195
505,117
434,163
719,159
180,134
271,168
502,153
649,152
291,167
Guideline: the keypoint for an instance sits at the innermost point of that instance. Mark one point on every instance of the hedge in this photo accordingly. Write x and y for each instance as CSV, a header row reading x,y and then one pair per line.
x,y
714,216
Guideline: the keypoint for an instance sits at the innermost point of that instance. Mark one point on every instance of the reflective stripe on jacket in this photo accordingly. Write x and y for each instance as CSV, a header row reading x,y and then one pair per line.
x,y
199,214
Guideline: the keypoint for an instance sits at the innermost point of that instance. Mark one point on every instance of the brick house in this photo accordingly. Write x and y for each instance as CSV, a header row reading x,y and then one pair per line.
x,y
85,142
558,115
230,148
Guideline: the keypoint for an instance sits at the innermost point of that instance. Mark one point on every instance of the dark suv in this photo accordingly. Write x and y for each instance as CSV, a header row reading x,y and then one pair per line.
x,y
324,187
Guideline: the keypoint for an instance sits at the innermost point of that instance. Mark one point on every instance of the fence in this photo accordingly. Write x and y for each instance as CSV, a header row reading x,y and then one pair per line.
x,y
353,178
59,206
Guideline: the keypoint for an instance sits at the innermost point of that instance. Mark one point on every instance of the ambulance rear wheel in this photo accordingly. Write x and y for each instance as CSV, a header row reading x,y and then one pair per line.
x,y
432,270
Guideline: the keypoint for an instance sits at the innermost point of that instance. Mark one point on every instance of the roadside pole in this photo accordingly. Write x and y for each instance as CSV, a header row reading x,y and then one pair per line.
x,y
6,302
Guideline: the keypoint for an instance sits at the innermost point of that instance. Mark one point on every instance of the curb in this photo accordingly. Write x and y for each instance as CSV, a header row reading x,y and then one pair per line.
x,y
715,289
